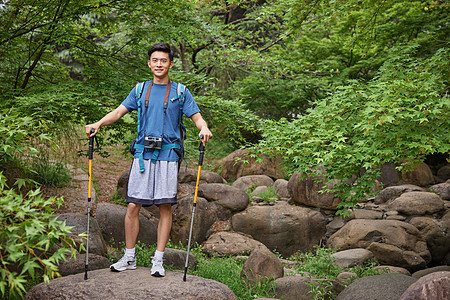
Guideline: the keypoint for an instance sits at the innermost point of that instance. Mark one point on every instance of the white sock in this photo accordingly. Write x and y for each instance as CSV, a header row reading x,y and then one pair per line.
x,y
130,252
159,255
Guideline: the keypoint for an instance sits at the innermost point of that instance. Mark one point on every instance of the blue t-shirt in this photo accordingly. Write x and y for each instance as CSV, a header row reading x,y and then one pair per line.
x,y
152,119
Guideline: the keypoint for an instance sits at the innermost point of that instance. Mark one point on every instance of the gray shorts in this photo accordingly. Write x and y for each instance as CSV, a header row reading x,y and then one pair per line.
x,y
156,185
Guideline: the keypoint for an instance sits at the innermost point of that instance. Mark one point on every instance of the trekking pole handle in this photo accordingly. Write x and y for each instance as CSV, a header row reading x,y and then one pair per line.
x,y
201,148
91,145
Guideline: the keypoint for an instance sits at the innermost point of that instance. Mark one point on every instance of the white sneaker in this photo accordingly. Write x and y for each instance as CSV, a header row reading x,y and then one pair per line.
x,y
127,262
157,268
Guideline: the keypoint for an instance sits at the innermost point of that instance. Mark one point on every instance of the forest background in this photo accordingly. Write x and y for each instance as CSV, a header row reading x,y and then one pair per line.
x,y
347,85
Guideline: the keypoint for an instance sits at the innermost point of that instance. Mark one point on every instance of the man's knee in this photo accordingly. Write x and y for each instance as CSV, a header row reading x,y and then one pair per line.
x,y
133,210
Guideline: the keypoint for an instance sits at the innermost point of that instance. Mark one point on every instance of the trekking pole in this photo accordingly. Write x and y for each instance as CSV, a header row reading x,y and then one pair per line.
x,y
91,155
201,148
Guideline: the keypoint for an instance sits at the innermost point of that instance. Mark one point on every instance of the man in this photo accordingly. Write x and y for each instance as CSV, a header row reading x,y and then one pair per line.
x,y
153,175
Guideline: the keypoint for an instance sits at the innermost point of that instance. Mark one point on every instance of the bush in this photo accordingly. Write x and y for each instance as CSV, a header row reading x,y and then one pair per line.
x,y
32,241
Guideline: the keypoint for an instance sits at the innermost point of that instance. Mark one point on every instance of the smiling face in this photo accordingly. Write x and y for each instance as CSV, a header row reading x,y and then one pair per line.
x,y
160,64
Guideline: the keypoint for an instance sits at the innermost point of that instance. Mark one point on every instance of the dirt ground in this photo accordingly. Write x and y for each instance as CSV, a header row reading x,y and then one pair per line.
x,y
105,174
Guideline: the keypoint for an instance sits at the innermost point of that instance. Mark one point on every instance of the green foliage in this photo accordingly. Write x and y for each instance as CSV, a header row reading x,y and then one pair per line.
x,y
398,117
227,270
32,241
49,173
268,196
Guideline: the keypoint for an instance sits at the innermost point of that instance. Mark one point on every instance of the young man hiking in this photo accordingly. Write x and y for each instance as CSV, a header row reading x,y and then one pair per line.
x,y
153,175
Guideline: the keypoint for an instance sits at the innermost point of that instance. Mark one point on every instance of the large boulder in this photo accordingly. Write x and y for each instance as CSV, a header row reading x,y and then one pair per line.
x,y
437,235
190,176
390,176
421,175
261,266
433,286
78,264
229,244
442,189
240,163
417,203
280,187
203,219
300,287
444,172
307,192
392,242
79,222
391,193
286,228
111,217
246,182
225,199
385,286
135,284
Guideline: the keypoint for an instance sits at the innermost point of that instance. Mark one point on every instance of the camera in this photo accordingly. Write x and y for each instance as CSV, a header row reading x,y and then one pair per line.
x,y
152,142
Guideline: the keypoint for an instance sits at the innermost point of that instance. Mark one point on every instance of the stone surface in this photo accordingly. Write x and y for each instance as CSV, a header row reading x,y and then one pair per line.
x,y
352,257
417,203
392,242
391,269
77,265
177,258
433,286
229,244
385,286
135,284
239,163
389,194
260,189
286,228
280,187
444,172
246,182
261,266
190,176
421,175
79,222
437,235
424,272
299,287
306,192
358,213
110,218
441,189
204,217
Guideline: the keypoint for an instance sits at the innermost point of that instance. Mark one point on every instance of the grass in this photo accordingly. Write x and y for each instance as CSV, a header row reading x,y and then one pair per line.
x,y
268,196
46,172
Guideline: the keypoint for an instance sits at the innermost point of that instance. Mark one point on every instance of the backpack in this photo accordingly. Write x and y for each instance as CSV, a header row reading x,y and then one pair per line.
x,y
178,146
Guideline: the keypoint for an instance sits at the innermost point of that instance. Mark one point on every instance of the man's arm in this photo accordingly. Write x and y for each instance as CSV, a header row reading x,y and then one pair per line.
x,y
108,119
202,126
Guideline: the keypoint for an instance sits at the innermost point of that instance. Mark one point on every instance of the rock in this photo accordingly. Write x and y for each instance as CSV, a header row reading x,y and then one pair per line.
x,y
306,192
437,235
393,192
389,175
246,182
286,228
110,218
177,258
421,175
122,184
261,266
425,272
79,222
352,257
358,213
224,199
433,286
219,226
77,265
385,286
239,163
336,224
280,187
441,189
181,221
299,287
259,190
346,276
444,172
135,284
392,242
190,176
229,244
417,203
392,269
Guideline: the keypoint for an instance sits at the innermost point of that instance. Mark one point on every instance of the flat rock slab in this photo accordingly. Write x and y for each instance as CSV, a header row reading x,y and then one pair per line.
x,y
131,284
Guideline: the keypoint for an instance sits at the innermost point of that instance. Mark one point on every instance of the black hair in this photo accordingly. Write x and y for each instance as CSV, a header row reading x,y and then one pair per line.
x,y
163,47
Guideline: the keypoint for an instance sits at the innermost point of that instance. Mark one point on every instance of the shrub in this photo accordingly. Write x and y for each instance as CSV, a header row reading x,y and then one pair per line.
x,y
32,240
